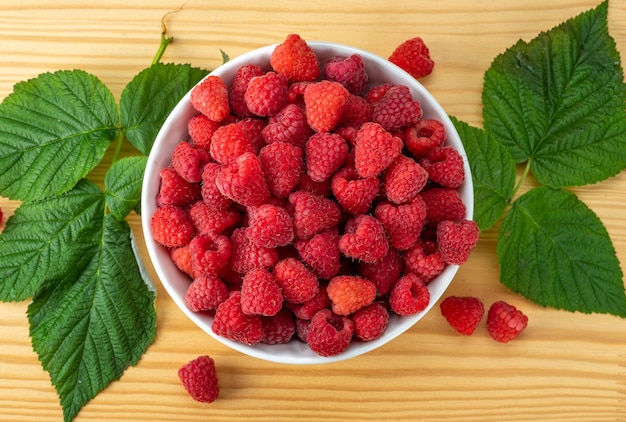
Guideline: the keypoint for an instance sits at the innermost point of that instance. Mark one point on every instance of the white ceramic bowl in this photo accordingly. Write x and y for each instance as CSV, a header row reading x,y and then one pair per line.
x,y
175,129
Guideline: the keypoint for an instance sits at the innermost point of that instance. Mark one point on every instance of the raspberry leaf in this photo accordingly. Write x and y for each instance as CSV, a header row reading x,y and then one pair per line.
x,y
493,173
149,98
123,185
54,129
558,101
563,258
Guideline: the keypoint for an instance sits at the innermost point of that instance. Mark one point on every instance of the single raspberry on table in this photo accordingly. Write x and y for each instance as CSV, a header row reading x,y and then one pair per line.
x,y
423,136
364,239
444,166
403,223
211,195
205,293
348,71
246,256
270,226
354,194
279,328
456,240
356,112
325,153
397,109
199,377
266,94
171,227
384,272
209,219
424,260
210,97
321,253
349,293
297,282
404,179
282,164
375,149
288,125
260,293
175,190
329,334
324,102
239,86
201,130
188,161
413,56
295,59
209,253
409,295
230,322
243,181
307,309
370,322
442,204
505,322
313,213
229,143
463,313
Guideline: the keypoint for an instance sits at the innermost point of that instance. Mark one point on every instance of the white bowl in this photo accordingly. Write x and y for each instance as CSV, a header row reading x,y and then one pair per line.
x,y
175,129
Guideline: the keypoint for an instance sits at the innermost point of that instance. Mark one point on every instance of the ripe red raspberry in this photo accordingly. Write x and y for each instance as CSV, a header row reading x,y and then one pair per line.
x,y
309,308
182,259
297,282
313,214
245,255
456,240
230,322
505,322
444,166
377,92
353,193
201,130
324,102
413,56
404,179
403,223
282,165
211,195
208,219
199,377
210,97
288,125
442,204
279,328
364,239
188,161
463,313
321,253
270,226
253,130
396,109
302,329
384,272
175,190
409,295
356,112
329,334
375,149
243,181
209,253
423,136
370,322
239,86
295,59
266,94
317,188
424,261
348,71
295,93
349,293
260,293
325,153
171,227
229,143
205,293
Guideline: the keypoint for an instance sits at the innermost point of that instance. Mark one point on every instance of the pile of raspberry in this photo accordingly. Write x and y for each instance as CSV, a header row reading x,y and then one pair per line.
x,y
307,205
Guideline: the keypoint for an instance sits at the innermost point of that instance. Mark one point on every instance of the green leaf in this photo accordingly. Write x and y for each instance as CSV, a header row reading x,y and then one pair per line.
x,y
149,98
123,185
563,258
493,173
558,101
43,239
54,129
91,324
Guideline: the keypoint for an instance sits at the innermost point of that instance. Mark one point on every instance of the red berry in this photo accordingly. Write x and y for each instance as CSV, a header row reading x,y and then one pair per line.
x,y
175,190
324,102
444,166
356,112
266,94
295,59
348,71
375,149
329,334
279,328
384,272
201,130
309,308
171,227
209,219
396,109
505,322
205,293
318,188
246,256
321,253
423,136
313,214
209,253
377,92
364,239
442,204
297,282
423,261
463,313
243,181
404,179
230,322
288,125
229,143
349,293
260,293
403,223
210,97
325,153
270,226
189,160
182,259
239,87
253,130
370,322
282,164
353,193
211,195
199,378
456,240
409,295
414,57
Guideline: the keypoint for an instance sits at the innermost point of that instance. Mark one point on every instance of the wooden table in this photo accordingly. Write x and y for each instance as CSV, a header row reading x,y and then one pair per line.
x,y
565,367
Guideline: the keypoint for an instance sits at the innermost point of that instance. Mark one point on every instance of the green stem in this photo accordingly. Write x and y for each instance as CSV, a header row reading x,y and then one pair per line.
x,y
118,146
165,41
521,180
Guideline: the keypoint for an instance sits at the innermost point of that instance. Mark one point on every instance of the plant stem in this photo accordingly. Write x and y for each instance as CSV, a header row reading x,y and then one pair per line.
x,y
165,40
521,180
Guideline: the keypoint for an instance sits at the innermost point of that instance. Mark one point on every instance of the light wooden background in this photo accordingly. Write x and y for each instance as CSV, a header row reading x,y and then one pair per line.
x,y
565,367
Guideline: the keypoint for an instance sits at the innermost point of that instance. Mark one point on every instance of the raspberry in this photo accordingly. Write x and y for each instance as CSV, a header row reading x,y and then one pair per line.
x,y
188,161
356,112
444,166
325,153
279,328
243,181
205,293
295,93
403,223
229,143
321,253
246,256
288,125
282,164
182,259
377,92
269,226
260,294
175,190
302,328
295,59
505,322
396,109
463,313
350,293
266,94
354,194
210,97
420,260
230,322
329,334
199,378
348,71
413,56
208,219
456,240
442,204
384,272
201,130
324,102
404,179
171,227
239,86
211,195
209,253
370,322
313,214
297,282
252,128
409,295
423,136
309,308
311,186
364,239
375,149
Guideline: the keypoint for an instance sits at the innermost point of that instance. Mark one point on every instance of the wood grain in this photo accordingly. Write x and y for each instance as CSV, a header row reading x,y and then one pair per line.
x,y
565,366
